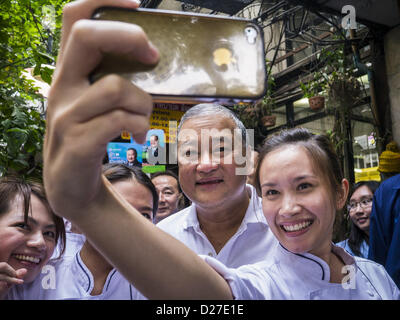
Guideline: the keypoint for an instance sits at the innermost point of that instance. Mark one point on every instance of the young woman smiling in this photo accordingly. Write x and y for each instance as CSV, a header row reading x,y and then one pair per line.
x,y
302,188
29,231
359,208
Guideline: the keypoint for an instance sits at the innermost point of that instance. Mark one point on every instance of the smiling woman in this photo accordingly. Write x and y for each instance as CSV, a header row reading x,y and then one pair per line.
x,y
359,208
302,186
29,231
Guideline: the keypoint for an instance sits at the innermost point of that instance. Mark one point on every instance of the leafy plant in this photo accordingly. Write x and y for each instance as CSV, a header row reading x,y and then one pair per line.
x,y
334,75
252,115
21,139
337,76
312,88
26,41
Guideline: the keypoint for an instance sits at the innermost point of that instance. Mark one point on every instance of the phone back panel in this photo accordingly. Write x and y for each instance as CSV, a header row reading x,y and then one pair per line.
x,y
202,57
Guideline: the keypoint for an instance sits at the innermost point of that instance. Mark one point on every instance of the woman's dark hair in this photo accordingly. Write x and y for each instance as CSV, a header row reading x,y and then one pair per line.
x,y
12,186
120,172
357,236
319,147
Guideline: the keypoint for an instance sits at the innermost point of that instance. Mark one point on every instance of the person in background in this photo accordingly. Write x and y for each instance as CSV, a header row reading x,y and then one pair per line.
x,y
29,232
135,187
170,196
384,234
359,209
87,274
131,158
154,145
389,161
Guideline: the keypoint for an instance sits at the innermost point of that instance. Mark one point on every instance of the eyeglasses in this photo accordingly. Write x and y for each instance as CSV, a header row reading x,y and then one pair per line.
x,y
365,203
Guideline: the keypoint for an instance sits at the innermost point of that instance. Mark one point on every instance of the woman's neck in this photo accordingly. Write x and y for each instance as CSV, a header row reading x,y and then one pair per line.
x,y
334,262
97,265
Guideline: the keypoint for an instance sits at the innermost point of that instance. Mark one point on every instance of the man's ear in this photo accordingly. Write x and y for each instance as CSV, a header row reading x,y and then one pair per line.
x,y
342,194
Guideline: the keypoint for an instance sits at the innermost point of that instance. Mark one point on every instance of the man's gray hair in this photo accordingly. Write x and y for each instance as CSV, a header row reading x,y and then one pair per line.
x,y
212,109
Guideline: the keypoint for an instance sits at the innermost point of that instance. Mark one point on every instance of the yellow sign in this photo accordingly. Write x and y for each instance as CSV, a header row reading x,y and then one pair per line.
x,y
167,120
367,174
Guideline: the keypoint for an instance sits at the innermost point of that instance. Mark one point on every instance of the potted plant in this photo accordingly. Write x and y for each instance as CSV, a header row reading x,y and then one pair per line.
x,y
335,77
343,91
266,105
311,91
259,114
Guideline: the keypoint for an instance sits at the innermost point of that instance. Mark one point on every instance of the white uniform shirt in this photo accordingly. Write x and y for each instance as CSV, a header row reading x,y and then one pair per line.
x,y
73,244
250,244
364,247
306,277
69,279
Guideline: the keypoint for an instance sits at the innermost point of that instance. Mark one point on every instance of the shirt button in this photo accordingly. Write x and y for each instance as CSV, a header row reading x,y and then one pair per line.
x,y
210,254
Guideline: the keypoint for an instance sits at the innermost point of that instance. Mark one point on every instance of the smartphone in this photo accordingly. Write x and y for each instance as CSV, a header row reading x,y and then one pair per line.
x,y
203,58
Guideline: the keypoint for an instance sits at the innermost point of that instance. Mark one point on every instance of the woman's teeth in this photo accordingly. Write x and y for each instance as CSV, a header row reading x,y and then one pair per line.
x,y
27,258
296,227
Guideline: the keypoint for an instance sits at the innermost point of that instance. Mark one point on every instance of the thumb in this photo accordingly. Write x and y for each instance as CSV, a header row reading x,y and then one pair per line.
x,y
21,273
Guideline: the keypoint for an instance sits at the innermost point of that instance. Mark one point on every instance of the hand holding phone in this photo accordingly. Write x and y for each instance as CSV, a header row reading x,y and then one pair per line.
x,y
203,58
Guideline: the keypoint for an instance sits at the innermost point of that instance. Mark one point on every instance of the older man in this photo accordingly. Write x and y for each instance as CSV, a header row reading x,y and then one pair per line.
x,y
170,197
225,220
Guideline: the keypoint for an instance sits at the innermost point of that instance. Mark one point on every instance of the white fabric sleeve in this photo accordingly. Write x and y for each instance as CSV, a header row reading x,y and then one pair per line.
x,y
136,295
246,282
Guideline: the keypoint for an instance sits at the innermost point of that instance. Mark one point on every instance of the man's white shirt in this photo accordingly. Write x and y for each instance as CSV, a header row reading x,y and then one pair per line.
x,y
250,244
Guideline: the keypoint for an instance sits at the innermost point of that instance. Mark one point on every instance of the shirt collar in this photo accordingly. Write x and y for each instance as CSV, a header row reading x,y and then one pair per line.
x,y
253,214
310,265
84,276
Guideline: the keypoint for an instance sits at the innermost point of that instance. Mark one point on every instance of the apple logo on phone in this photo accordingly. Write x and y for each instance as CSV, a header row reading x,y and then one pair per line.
x,y
223,57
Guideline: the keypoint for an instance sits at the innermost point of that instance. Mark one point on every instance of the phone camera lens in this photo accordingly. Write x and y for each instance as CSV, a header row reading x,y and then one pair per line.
x,y
251,34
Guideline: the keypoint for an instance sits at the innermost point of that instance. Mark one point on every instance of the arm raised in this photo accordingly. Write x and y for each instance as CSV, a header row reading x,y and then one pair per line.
x,y
82,119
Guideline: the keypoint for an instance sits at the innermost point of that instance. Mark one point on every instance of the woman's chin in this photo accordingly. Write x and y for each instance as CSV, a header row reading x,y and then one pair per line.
x,y
295,246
